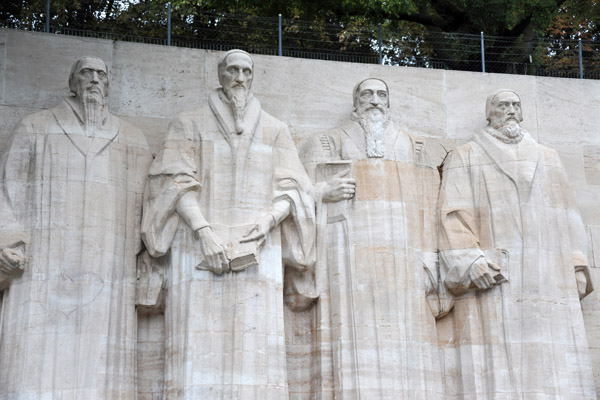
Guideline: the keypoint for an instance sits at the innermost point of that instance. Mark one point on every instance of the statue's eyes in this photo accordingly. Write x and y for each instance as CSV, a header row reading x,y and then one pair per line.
x,y
88,73
366,94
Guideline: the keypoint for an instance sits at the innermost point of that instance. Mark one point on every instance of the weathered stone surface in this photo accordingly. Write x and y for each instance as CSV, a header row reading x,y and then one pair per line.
x,y
71,180
513,255
378,188
227,177
152,84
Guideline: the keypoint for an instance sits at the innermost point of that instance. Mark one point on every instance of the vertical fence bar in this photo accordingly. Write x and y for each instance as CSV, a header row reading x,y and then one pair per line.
x,y
580,60
482,54
279,38
168,24
47,16
380,47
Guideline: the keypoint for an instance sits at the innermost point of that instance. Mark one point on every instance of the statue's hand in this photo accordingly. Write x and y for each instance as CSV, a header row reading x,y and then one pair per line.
x,y
214,250
11,260
339,188
481,274
259,230
581,279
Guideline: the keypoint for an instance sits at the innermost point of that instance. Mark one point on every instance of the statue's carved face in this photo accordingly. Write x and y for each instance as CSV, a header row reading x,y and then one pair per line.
x,y
506,110
91,77
237,72
372,97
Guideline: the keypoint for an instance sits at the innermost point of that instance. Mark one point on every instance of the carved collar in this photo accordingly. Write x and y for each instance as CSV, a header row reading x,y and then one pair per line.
x,y
68,116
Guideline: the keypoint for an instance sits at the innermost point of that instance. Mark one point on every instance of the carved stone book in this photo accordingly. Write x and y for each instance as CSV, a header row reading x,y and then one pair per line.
x,y
328,170
241,255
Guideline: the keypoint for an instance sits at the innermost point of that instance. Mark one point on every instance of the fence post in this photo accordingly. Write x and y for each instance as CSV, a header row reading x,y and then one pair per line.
x,y
482,54
580,61
47,16
168,24
380,47
279,38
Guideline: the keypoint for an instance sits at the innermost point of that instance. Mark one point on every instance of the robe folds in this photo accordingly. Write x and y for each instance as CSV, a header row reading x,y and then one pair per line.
x,y
225,335
68,323
524,338
376,335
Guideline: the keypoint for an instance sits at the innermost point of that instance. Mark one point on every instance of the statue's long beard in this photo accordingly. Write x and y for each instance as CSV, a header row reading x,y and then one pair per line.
x,y
510,133
238,97
93,111
374,123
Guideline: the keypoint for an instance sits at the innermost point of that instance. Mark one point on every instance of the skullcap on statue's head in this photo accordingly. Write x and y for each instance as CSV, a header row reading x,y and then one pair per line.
x,y
355,92
492,97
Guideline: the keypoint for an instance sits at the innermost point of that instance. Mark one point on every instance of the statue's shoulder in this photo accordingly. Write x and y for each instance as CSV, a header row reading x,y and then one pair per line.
x,y
321,144
428,152
551,155
270,121
35,123
131,133
194,113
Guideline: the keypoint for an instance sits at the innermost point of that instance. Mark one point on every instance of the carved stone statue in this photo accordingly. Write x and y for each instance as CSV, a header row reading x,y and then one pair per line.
x,y
230,203
376,242
513,249
71,181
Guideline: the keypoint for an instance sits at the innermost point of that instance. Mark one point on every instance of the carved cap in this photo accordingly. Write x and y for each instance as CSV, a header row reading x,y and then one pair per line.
x,y
76,67
492,97
355,93
223,59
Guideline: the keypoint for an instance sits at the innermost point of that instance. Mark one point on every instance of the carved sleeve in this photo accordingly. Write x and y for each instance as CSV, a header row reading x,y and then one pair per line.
x,y
16,156
172,175
577,234
459,223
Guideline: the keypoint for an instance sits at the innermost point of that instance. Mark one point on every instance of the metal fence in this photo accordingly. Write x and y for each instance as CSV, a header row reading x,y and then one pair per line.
x,y
413,46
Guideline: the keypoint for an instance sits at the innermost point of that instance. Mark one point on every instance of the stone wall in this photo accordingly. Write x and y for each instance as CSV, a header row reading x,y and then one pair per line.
x,y
150,84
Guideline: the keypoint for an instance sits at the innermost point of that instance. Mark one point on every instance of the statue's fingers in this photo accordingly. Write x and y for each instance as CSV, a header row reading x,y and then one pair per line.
x,y
261,242
493,266
12,257
482,283
216,266
224,263
249,231
256,236
341,174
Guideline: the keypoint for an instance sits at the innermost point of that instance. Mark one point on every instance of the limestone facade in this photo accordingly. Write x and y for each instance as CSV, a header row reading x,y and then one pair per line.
x,y
150,85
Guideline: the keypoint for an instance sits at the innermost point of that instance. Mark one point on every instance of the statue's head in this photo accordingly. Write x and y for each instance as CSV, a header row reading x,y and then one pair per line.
x,y
235,70
371,111
504,115
89,77
371,95
503,107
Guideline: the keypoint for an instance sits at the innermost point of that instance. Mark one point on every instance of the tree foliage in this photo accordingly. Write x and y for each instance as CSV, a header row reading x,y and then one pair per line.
x,y
412,30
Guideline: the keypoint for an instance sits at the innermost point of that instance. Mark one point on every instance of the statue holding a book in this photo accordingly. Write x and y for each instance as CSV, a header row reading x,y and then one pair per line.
x,y
229,202
377,187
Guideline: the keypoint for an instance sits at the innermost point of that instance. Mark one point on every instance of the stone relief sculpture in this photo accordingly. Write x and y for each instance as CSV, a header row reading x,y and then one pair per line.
x,y
513,249
71,181
376,240
229,202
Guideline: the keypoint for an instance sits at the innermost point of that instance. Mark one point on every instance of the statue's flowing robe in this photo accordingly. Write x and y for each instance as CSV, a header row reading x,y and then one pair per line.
x,y
376,335
524,338
225,335
68,324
